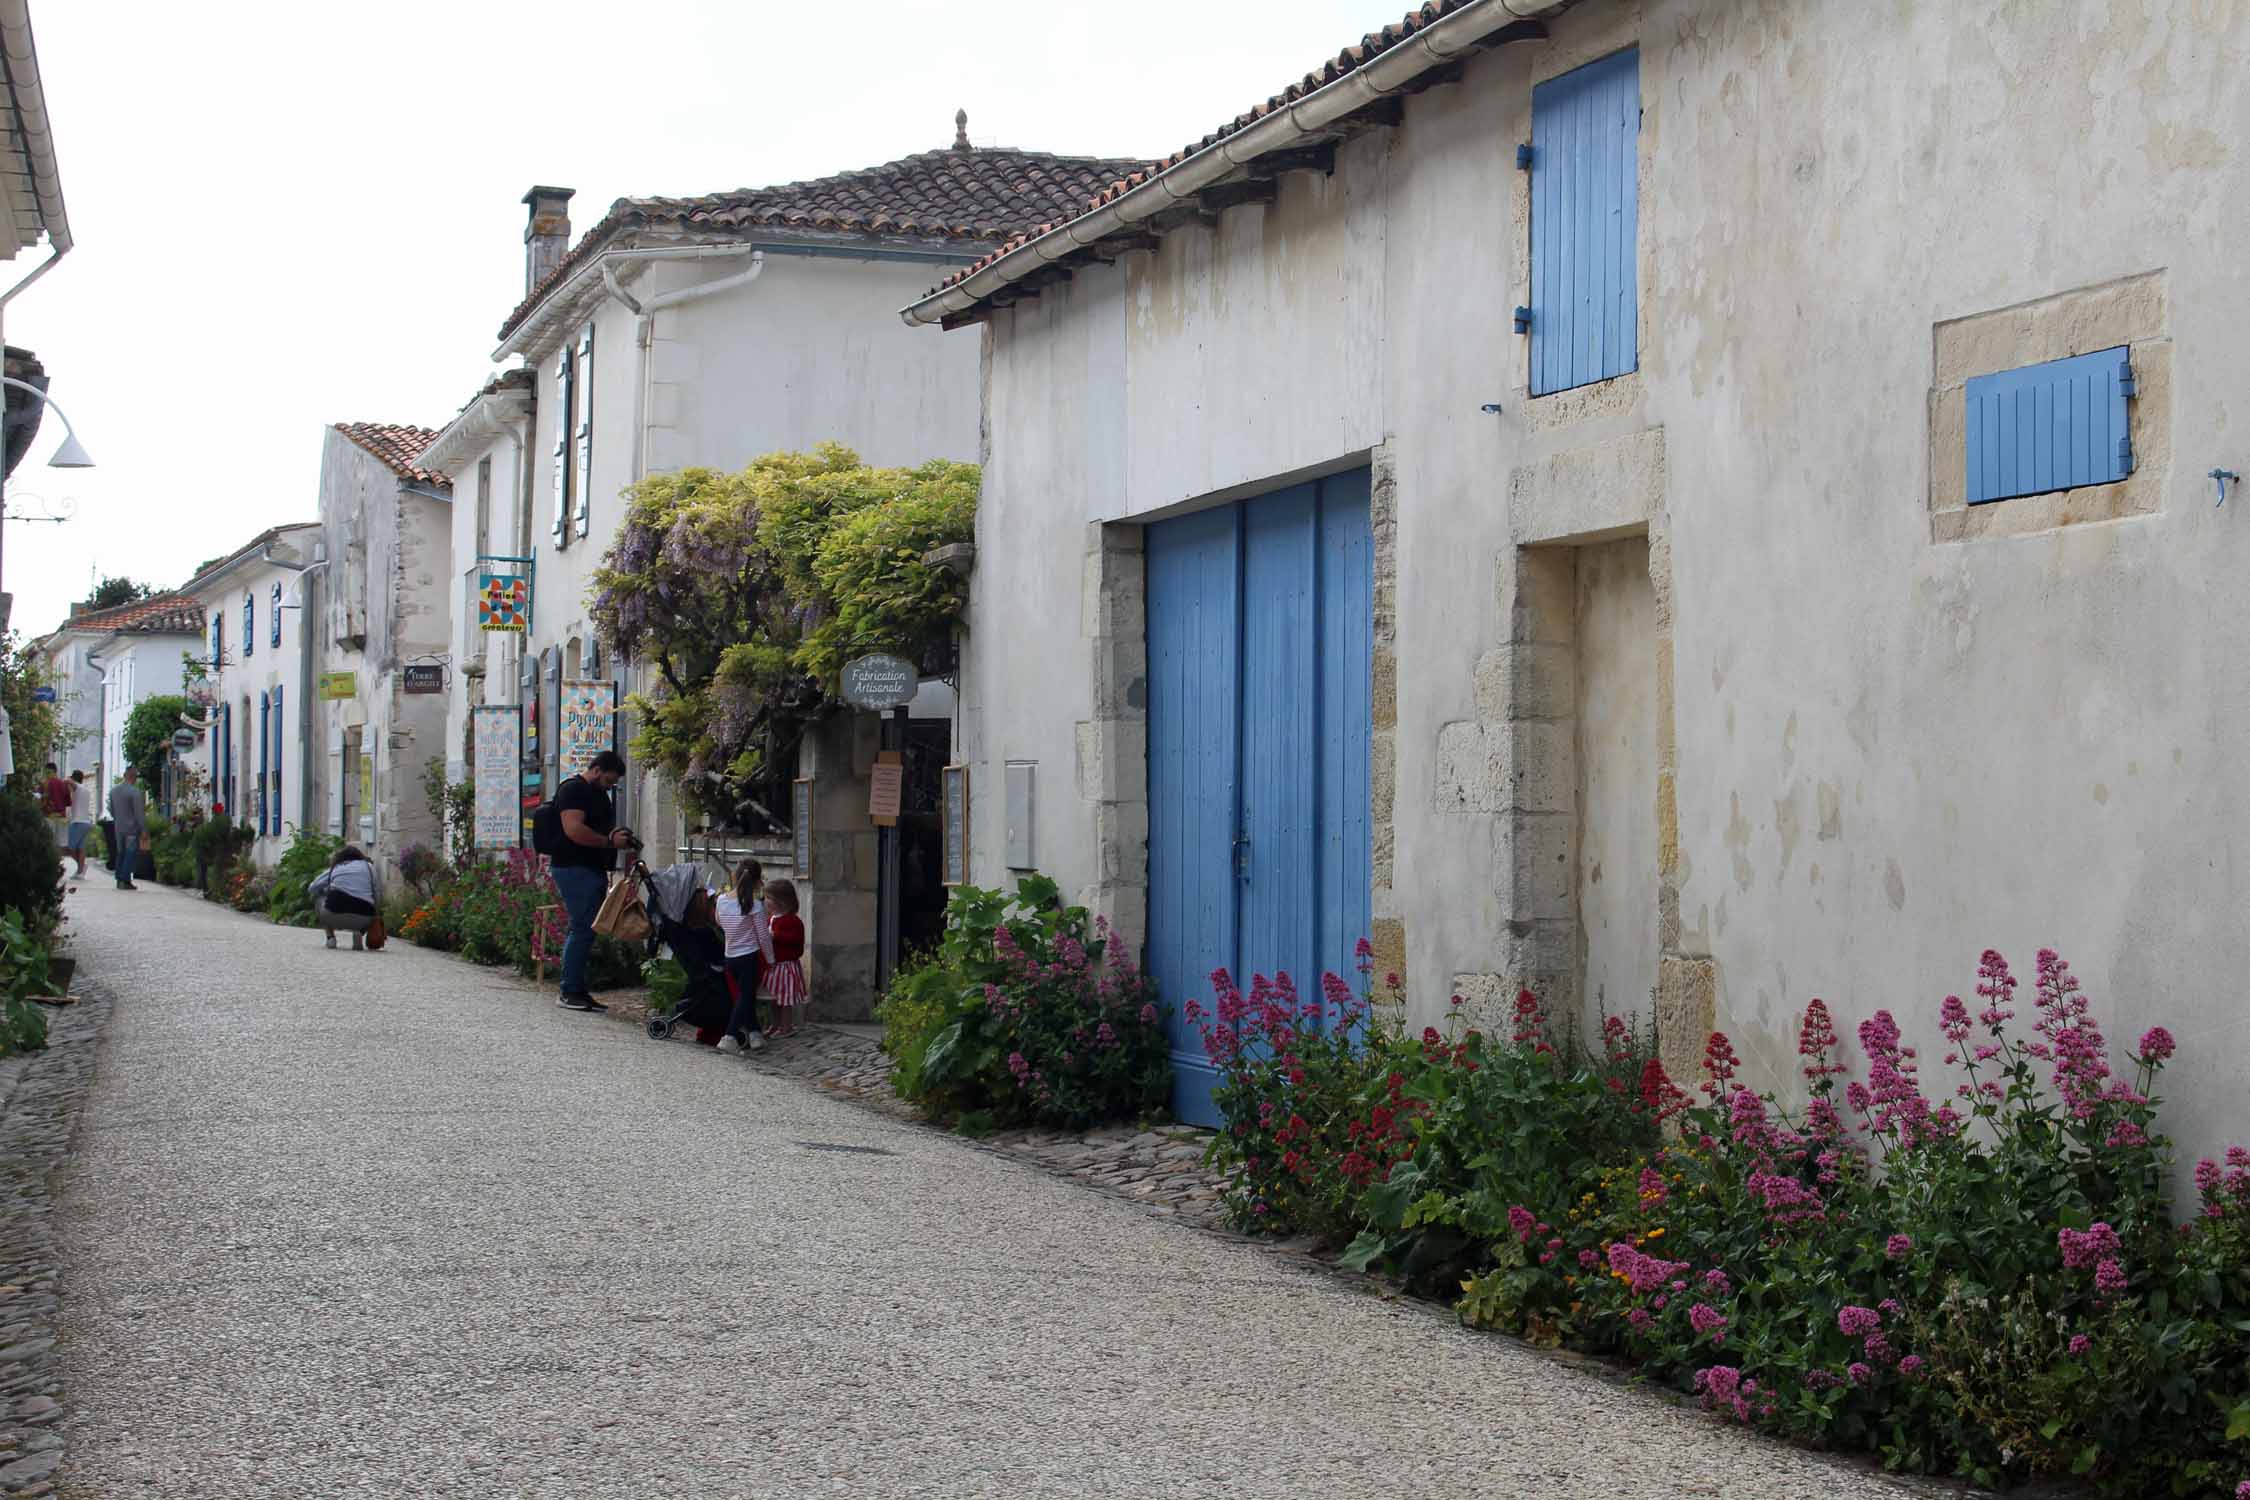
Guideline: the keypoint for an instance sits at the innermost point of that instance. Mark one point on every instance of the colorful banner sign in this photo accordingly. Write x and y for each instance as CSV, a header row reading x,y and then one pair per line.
x,y
503,602
588,723
497,744
338,687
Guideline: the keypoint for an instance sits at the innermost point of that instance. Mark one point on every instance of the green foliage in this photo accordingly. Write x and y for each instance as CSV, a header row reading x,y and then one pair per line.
x,y
489,911
31,871
111,592
172,848
148,736
453,804
308,854
667,985
219,842
36,730
1024,1015
23,974
748,590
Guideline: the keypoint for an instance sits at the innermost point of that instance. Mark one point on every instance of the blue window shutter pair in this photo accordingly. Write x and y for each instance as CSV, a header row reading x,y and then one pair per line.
x,y
218,636
249,622
1585,184
2052,426
265,745
276,628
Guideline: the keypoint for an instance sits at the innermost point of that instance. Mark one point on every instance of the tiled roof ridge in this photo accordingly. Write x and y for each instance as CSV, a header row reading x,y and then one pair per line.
x,y
171,613
397,444
1350,60
763,207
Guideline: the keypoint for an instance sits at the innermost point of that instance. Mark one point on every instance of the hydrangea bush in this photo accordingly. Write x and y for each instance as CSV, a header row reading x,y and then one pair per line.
x,y
1976,1272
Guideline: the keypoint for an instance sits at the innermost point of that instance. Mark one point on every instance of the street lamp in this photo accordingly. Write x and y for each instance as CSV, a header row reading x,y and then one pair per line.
x,y
71,455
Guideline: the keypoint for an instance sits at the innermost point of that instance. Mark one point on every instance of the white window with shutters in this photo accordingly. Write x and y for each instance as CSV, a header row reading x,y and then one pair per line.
x,y
565,391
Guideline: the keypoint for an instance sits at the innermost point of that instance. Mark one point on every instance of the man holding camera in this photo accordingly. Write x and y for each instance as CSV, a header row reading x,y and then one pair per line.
x,y
590,841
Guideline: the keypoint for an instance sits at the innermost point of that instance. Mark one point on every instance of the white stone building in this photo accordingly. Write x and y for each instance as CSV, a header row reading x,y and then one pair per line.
x,y
708,331
106,661
1589,496
258,655
382,600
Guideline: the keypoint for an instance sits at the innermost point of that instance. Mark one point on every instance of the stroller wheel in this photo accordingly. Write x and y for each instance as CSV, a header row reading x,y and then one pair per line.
x,y
659,1030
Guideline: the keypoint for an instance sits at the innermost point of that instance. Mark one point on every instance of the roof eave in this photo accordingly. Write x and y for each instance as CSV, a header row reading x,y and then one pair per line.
x,y
29,96
1389,72
481,423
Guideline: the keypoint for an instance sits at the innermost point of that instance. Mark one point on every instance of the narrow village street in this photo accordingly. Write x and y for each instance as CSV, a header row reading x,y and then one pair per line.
x,y
345,1224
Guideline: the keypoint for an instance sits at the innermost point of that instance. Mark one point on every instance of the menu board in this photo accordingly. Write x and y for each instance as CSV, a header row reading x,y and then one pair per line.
x,y
800,827
956,825
497,743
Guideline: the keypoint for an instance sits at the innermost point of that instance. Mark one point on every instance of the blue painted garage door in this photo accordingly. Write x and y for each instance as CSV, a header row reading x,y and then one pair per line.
x,y
1260,639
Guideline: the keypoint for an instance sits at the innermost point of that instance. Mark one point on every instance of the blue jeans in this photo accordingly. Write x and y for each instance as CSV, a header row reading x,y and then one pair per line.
x,y
582,891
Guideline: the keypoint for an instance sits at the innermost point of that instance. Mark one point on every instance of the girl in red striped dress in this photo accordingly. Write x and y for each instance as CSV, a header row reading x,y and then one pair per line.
x,y
785,975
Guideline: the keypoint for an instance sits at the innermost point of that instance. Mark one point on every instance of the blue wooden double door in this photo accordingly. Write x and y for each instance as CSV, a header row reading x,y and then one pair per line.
x,y
1260,648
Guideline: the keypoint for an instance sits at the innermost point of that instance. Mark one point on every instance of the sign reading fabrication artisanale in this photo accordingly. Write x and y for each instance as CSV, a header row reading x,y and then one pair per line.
x,y
880,682
497,745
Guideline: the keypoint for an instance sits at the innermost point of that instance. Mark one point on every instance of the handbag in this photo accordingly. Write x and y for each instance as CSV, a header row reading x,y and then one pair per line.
x,y
376,936
624,914
146,843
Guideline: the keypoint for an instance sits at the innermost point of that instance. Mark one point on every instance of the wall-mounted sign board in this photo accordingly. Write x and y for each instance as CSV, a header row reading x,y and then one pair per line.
x,y
425,678
886,788
498,747
956,825
338,687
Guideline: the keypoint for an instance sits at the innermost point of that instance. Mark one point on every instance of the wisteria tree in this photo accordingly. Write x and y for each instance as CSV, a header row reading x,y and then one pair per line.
x,y
746,592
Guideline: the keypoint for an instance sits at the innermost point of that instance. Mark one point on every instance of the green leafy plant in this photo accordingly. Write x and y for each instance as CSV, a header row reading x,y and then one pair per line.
x,y
23,974
31,871
148,736
36,729
1026,1013
309,854
453,805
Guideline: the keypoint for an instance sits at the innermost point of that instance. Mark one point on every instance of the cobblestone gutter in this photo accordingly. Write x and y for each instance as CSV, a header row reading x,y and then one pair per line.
x,y
40,1098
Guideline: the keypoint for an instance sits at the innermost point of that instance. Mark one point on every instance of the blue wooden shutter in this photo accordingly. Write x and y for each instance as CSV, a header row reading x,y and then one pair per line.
x,y
265,740
2052,426
585,393
218,635
276,625
1585,170
249,622
280,746
225,767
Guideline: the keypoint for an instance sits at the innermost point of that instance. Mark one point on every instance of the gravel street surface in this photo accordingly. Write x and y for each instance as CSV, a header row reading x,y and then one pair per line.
x,y
387,1224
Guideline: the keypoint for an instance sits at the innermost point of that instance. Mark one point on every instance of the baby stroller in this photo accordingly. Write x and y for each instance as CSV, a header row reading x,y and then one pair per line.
x,y
702,951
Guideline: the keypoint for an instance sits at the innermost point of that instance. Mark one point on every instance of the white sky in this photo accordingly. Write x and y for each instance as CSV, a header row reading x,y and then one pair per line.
x,y
289,215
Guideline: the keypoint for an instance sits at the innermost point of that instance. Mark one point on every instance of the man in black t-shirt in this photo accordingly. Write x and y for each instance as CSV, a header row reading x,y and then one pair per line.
x,y
591,839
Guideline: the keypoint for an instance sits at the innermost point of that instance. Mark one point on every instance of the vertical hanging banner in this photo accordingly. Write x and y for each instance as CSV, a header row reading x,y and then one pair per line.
x,y
588,723
497,744
503,601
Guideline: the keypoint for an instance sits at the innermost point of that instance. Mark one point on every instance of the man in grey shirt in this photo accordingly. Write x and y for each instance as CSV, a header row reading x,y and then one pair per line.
x,y
128,814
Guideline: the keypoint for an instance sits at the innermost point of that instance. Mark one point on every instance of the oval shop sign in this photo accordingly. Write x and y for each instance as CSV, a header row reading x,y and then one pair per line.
x,y
880,681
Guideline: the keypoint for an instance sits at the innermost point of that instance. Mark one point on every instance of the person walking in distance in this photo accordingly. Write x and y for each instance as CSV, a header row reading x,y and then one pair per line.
x,y
582,858
54,801
128,817
81,818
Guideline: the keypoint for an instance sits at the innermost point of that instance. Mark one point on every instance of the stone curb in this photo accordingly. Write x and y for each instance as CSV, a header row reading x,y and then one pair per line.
x,y
37,1122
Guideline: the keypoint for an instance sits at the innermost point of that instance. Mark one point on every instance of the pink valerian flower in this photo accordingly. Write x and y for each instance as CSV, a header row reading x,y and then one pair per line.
x,y
1816,1040
1898,1247
1644,1273
1787,1201
1720,1062
2126,1134
1857,1096
1953,1019
1531,1023
1652,1189
1640,1320
1996,987
1715,1283
1708,1320
2157,1045
1910,1366
1889,1307
2084,1247
1859,1373
1878,1350
1523,1222
1148,1015
1363,956
2079,1344
1724,1391
2242,1490
1659,1095
1617,1039
1588,1259
2109,1277
1893,1092
1854,1322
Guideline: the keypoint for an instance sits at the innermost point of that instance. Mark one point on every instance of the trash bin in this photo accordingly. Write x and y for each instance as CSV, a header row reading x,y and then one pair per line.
x,y
109,842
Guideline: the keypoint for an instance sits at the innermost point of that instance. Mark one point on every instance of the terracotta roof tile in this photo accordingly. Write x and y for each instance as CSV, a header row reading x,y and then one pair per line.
x,y
397,446
983,194
1351,59
164,614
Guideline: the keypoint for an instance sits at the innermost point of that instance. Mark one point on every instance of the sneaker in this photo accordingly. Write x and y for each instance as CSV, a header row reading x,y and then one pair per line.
x,y
730,1046
332,940
757,1041
592,1003
576,1002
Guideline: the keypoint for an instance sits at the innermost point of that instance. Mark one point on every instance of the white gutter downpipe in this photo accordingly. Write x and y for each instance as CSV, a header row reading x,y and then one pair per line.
x,y
1438,43
522,334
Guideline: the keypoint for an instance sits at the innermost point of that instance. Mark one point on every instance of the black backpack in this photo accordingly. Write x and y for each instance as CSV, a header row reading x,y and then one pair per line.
x,y
546,826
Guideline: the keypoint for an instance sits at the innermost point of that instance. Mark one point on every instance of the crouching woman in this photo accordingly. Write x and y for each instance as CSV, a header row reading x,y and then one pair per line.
x,y
345,896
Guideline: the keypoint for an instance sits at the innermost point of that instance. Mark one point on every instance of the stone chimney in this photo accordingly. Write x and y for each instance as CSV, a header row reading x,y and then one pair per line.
x,y
546,238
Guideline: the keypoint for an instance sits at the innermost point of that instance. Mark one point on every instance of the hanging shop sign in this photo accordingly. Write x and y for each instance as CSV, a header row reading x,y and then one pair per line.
x,y
880,682
338,687
497,745
503,601
425,679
